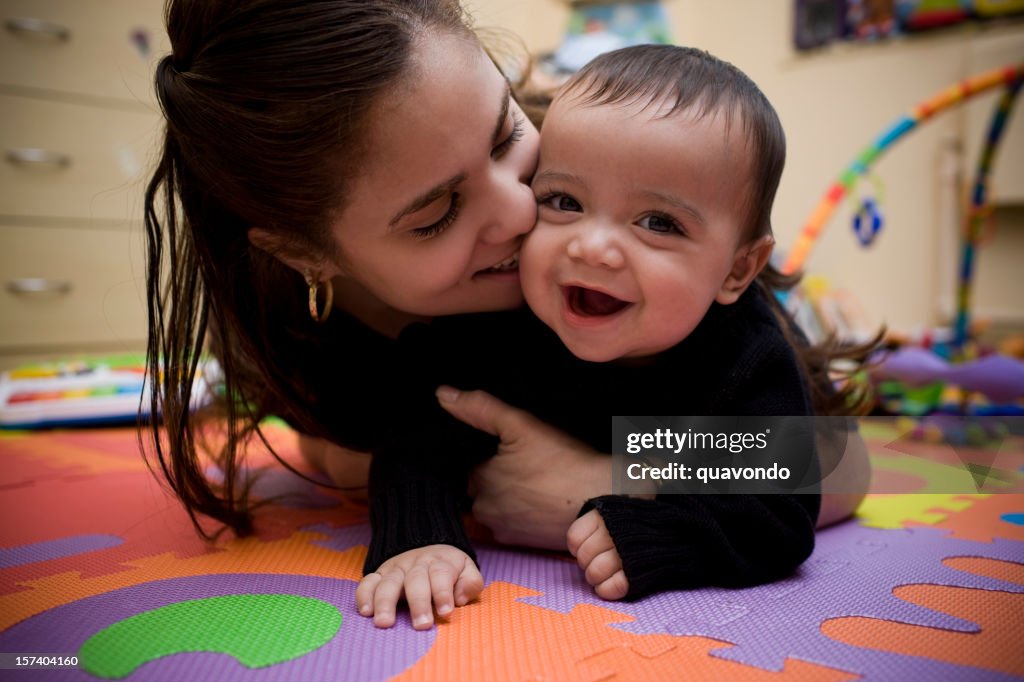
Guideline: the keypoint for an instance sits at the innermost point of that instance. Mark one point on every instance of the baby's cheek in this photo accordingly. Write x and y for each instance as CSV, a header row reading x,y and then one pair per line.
x,y
534,271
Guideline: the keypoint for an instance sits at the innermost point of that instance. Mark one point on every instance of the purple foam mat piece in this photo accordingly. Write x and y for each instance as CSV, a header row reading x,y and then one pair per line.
x,y
359,651
851,573
55,549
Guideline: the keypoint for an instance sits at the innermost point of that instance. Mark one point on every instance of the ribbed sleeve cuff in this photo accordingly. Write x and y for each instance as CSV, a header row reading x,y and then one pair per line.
x,y
410,515
653,544
689,541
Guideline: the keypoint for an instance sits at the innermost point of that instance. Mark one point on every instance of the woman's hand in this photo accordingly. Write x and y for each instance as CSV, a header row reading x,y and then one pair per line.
x,y
435,576
530,492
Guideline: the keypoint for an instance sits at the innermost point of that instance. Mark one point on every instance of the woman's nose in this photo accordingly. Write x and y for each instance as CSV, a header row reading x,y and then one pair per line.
x,y
512,213
596,245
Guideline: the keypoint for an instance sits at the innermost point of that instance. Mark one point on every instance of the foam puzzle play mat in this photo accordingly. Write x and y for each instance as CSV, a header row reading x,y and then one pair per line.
x,y
100,568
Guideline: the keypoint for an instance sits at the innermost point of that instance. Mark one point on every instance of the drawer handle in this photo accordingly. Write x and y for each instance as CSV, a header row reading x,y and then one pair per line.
x,y
28,286
38,27
25,156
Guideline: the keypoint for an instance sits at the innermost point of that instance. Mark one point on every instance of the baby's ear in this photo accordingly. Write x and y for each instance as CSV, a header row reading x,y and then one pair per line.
x,y
749,260
300,261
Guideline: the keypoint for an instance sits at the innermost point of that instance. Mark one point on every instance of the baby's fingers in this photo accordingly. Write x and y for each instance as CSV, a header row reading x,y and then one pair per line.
x,y
417,595
385,598
614,588
598,543
581,530
602,567
469,585
442,584
365,591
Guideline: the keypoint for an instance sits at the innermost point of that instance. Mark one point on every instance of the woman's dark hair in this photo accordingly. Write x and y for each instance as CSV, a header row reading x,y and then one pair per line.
x,y
265,102
693,81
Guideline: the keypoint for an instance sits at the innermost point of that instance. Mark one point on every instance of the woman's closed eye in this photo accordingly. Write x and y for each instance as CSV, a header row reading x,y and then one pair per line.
x,y
444,223
560,202
660,223
518,129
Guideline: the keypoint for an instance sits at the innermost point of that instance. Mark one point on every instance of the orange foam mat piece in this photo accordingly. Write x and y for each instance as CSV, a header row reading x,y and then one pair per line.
x,y
997,646
500,638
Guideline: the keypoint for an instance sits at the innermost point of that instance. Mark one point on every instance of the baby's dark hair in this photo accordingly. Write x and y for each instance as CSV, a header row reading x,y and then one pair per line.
x,y
687,80
684,79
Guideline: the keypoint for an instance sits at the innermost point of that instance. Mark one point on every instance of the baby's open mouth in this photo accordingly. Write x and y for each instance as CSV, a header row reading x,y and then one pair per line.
x,y
591,303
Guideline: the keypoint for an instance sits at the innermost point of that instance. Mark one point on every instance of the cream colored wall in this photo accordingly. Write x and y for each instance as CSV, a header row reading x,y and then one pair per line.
x,y
540,23
833,103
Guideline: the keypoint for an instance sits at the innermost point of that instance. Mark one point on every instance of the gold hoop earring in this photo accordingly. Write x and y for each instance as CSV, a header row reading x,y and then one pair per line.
x,y
314,289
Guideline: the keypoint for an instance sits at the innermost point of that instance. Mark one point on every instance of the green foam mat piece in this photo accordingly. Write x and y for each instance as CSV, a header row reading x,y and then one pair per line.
x,y
258,630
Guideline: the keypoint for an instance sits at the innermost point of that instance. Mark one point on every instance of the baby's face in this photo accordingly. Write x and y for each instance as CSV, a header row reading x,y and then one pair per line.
x,y
639,224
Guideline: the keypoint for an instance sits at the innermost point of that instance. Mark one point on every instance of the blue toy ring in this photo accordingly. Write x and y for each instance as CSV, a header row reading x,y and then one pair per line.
x,y
867,222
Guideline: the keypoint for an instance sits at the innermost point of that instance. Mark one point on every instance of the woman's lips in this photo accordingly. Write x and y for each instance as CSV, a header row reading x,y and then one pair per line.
x,y
510,264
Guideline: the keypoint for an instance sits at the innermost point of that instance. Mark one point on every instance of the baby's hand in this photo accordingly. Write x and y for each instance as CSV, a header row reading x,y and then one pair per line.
x,y
591,543
438,574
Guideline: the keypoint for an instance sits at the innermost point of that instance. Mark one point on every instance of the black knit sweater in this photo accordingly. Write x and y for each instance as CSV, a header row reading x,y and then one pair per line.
x,y
736,363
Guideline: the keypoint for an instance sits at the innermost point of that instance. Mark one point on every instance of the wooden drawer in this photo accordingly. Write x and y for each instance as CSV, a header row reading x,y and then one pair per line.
x,y
109,155
96,280
100,55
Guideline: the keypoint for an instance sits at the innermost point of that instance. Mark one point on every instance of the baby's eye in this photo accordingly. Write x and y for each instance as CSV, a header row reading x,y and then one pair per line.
x,y
561,202
660,223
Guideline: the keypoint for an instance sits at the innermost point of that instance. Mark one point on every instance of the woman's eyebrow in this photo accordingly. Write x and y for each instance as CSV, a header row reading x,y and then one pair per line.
x,y
438,191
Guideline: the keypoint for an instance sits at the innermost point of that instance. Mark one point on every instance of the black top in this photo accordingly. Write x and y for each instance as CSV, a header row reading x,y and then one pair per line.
x,y
361,391
736,362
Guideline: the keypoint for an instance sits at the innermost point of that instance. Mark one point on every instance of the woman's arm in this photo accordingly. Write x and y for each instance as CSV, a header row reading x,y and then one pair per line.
x,y
530,493
347,469
844,489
